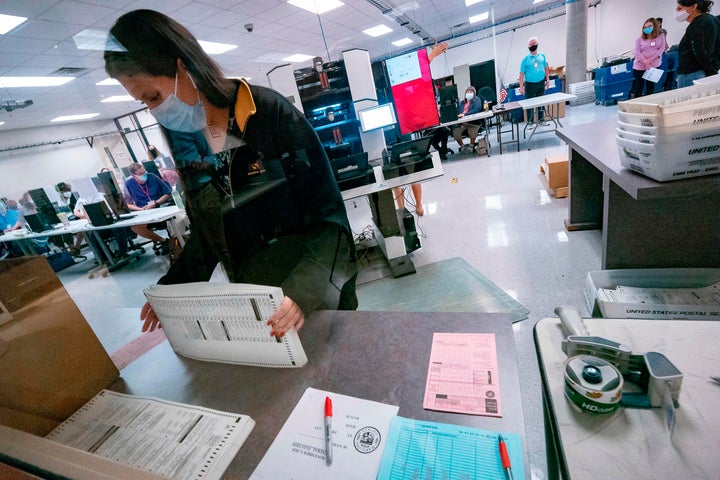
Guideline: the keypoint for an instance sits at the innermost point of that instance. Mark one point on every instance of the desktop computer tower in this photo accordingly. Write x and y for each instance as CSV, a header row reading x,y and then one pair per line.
x,y
384,213
412,241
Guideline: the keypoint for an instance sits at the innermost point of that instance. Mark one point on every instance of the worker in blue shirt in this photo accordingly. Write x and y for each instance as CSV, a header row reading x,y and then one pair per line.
x,y
534,76
145,191
13,219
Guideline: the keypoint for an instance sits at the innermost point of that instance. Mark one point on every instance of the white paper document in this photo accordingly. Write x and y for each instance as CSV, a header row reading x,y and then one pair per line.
x,y
653,74
463,374
174,440
359,433
225,322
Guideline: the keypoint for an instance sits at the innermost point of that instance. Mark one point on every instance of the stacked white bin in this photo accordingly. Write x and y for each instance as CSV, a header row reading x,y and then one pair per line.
x,y
671,135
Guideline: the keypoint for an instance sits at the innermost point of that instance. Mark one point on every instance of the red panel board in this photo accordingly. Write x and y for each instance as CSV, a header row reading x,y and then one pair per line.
x,y
413,91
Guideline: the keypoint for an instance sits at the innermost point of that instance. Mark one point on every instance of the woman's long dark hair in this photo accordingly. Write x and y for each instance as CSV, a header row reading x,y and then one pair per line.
x,y
153,43
703,6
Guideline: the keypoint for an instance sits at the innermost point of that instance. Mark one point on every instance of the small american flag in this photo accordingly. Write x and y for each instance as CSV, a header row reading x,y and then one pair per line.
x,y
503,95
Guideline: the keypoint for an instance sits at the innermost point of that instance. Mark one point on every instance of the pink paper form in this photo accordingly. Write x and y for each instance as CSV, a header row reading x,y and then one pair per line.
x,y
463,374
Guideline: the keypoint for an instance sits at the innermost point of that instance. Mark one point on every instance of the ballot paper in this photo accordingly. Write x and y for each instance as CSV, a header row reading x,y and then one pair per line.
x,y
359,430
225,322
463,374
174,440
708,295
428,450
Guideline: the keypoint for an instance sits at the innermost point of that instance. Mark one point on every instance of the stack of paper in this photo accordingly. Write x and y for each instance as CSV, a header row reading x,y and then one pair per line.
x,y
225,322
170,439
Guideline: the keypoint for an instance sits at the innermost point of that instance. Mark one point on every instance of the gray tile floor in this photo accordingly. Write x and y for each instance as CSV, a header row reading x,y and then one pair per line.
x,y
492,211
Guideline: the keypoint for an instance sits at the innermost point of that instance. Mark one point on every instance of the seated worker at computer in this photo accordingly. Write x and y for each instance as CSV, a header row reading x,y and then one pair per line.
x,y
93,239
69,199
145,191
469,105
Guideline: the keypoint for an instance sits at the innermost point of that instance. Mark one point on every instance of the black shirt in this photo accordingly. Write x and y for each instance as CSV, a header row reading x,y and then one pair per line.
x,y
697,49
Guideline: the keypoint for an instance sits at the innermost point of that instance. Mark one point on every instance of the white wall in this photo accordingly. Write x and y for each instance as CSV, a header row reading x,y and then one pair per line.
x,y
27,168
46,165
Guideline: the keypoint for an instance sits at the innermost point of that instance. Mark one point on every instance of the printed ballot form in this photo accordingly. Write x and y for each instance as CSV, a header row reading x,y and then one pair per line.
x,y
174,440
463,374
359,431
225,322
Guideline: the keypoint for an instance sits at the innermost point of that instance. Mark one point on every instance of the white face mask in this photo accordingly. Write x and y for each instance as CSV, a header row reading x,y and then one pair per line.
x,y
469,96
176,115
67,194
681,15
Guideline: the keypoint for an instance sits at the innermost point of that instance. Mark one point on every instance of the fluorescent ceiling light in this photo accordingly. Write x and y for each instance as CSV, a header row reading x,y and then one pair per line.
x,y
377,31
472,2
215,48
98,40
298,57
108,81
317,7
402,42
18,82
70,118
8,22
118,98
479,18
538,1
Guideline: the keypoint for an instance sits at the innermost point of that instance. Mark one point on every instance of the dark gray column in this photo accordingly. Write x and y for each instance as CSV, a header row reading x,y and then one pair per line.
x,y
576,41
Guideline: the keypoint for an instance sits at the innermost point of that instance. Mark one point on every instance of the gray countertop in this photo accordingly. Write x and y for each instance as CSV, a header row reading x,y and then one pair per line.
x,y
380,356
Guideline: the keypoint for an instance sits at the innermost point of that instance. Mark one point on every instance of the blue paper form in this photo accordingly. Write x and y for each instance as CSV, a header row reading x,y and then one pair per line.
x,y
438,451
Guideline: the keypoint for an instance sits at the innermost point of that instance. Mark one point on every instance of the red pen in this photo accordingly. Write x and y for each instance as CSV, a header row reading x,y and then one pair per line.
x,y
328,431
504,457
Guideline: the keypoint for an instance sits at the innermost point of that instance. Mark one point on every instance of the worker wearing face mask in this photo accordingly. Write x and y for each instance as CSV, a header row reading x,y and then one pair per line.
x,y
294,233
697,52
469,105
534,76
648,51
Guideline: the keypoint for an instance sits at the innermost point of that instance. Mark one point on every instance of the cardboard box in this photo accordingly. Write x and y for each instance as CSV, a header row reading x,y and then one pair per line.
x,y
555,171
51,362
651,278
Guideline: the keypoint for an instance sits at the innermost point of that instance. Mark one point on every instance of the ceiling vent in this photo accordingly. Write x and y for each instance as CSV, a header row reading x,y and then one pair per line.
x,y
10,105
70,72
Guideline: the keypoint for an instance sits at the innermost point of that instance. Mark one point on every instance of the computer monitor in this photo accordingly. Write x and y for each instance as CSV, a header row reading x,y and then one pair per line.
x,y
110,188
99,214
410,151
413,91
44,206
448,95
377,117
350,166
151,167
38,223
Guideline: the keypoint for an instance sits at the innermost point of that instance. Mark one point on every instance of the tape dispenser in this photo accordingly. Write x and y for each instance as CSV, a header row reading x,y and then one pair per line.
x,y
658,381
